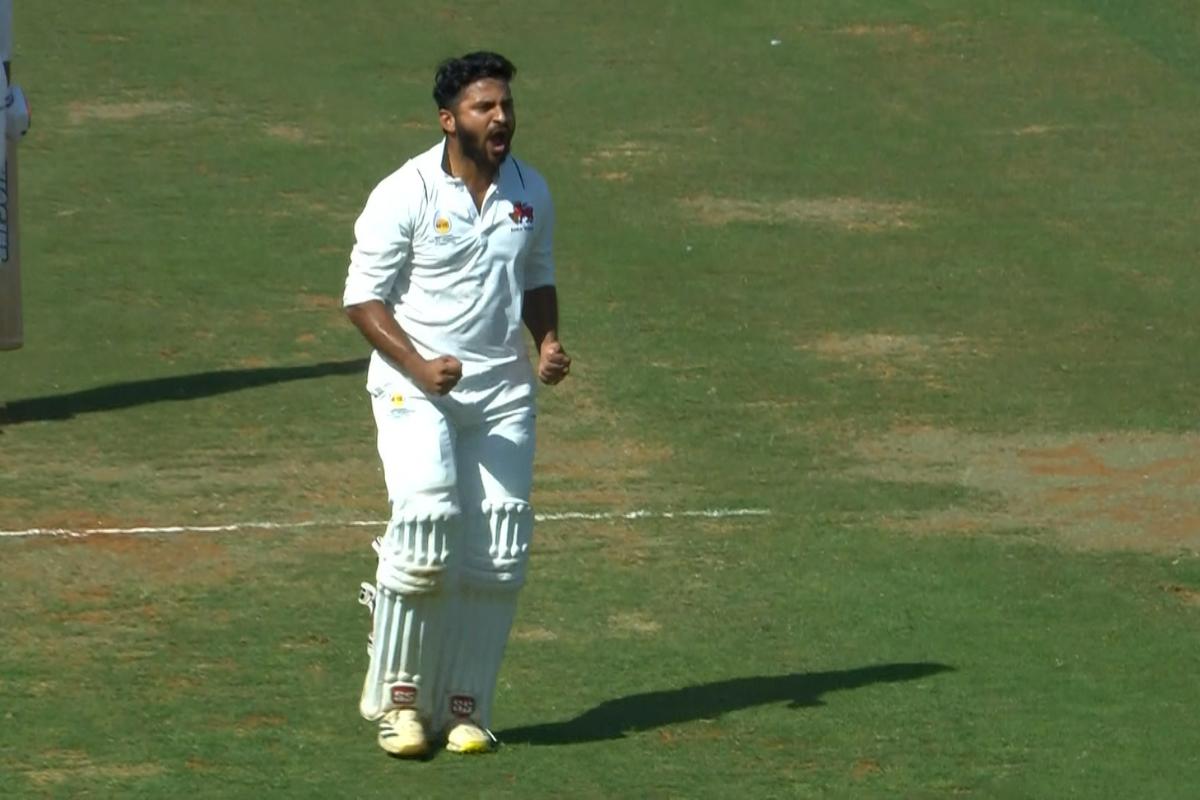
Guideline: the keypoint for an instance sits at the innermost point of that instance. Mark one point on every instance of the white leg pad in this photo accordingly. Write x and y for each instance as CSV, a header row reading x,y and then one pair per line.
x,y
408,618
496,553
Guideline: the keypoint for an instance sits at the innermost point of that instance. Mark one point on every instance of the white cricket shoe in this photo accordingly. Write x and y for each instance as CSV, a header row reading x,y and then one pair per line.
x,y
466,737
402,734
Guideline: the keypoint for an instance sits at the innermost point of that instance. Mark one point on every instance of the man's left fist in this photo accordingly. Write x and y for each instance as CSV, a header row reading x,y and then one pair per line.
x,y
553,363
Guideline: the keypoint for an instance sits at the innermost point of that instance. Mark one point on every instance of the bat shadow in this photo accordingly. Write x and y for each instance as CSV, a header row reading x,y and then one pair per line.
x,y
114,396
613,719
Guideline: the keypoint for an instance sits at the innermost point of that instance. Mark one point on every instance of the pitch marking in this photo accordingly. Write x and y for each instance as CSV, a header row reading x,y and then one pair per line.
x,y
711,513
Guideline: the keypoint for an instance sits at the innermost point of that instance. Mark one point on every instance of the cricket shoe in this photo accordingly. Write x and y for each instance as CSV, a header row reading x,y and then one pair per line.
x,y
466,737
402,734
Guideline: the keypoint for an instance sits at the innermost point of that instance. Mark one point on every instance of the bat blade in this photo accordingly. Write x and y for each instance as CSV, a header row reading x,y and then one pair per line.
x,y
12,333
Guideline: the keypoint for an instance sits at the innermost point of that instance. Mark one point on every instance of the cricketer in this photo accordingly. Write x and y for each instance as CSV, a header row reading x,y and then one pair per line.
x,y
452,255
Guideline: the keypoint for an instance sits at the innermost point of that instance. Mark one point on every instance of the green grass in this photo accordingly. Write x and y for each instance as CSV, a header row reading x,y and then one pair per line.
x,y
917,279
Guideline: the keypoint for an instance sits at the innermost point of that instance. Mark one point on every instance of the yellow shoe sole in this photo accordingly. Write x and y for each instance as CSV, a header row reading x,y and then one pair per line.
x,y
469,739
470,748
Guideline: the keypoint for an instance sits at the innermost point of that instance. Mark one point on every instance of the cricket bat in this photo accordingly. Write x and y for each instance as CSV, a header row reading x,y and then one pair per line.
x,y
12,334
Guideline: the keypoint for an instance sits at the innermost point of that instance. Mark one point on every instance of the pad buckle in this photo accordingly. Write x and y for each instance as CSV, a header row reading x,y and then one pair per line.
x,y
366,596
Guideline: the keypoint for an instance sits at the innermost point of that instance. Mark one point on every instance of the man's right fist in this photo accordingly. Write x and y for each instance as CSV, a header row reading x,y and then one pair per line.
x,y
438,375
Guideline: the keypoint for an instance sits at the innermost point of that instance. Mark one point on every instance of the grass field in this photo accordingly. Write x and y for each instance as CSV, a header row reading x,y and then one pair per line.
x,y
918,277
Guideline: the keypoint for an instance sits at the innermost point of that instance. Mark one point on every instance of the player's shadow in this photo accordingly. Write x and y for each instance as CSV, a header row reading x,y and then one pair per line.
x,y
613,719
180,387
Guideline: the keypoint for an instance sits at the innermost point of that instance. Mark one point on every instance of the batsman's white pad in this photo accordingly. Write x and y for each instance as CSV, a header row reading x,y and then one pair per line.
x,y
496,549
408,616
496,552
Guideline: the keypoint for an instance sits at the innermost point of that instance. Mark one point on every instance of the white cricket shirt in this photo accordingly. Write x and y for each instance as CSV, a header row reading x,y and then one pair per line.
x,y
454,276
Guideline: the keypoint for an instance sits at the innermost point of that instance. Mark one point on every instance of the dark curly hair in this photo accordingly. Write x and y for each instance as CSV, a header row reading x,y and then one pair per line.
x,y
454,74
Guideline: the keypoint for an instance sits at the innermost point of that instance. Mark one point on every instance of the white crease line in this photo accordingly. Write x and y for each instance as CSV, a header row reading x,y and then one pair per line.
x,y
712,513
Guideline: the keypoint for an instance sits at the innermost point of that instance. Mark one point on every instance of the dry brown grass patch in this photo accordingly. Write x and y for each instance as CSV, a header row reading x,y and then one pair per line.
x,y
864,768
625,151
174,561
1037,130
527,633
129,618
289,133
875,346
633,622
910,33
1115,490
255,722
615,163
75,765
1185,595
847,213
886,356
121,111
298,204
319,302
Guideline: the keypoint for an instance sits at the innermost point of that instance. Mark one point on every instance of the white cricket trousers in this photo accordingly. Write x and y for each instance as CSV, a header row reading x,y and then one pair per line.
x,y
441,454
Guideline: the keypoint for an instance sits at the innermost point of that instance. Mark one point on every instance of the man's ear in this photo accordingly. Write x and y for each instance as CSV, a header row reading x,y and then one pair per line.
x,y
447,120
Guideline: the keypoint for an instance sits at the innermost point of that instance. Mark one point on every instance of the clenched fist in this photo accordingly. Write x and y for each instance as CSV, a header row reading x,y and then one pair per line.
x,y
437,375
553,363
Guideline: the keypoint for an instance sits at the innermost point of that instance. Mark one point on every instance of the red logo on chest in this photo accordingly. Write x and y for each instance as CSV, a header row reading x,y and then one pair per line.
x,y
522,212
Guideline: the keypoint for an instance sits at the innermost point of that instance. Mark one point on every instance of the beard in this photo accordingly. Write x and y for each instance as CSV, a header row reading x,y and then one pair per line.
x,y
475,147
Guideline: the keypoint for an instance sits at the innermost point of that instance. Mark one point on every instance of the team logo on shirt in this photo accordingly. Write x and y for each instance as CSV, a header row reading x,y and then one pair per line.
x,y
441,224
522,214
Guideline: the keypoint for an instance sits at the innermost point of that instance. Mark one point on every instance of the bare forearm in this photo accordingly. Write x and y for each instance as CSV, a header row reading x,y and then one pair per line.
x,y
380,328
539,311
437,375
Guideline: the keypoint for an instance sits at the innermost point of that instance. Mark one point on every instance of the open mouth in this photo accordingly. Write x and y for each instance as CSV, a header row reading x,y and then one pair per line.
x,y
498,141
